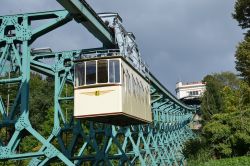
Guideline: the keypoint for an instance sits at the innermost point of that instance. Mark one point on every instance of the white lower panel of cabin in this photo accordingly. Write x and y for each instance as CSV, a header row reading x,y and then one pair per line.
x,y
109,104
91,102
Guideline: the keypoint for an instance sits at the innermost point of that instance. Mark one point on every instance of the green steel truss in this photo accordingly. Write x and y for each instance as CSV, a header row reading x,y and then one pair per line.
x,y
159,143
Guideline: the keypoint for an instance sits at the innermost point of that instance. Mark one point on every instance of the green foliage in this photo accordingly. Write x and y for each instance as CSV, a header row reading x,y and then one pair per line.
x,y
197,151
41,112
226,113
220,94
236,161
8,91
215,132
230,99
244,95
242,13
212,97
227,133
243,59
41,100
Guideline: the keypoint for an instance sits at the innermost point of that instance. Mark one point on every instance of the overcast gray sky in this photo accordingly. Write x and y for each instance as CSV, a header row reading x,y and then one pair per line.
x,y
181,40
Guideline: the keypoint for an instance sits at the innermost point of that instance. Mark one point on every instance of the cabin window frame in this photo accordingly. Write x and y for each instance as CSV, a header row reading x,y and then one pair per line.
x,y
115,81
77,80
86,73
106,73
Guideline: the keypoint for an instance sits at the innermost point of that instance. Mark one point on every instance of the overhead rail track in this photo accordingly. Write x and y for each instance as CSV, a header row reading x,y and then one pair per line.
x,y
157,143
85,15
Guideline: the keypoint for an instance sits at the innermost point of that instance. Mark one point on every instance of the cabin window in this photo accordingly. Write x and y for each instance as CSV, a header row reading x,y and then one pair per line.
x,y
80,74
90,72
97,71
102,71
114,71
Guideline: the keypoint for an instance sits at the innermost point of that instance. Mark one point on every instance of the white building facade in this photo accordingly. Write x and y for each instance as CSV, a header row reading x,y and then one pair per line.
x,y
190,90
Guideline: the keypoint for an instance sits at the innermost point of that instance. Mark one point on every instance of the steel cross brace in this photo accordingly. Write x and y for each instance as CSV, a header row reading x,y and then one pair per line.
x,y
15,33
137,152
146,144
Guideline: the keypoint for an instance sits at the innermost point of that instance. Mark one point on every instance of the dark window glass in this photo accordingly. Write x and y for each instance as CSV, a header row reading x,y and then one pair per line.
x,y
114,71
102,71
80,74
90,72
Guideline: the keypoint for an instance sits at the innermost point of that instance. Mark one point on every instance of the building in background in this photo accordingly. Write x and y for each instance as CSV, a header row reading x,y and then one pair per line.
x,y
190,94
190,91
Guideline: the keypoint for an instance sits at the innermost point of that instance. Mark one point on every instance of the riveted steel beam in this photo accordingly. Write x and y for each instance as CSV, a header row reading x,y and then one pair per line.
x,y
85,15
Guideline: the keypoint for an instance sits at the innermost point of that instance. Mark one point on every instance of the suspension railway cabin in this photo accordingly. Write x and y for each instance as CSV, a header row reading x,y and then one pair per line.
x,y
109,90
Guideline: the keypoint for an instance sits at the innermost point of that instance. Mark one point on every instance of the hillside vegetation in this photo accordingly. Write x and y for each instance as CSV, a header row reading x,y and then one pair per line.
x,y
226,109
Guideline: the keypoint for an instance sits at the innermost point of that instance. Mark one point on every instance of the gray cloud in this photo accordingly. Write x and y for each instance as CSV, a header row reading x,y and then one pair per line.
x,y
180,40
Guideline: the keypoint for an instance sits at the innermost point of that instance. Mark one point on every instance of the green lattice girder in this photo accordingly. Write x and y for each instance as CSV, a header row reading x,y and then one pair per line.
x,y
159,143
16,36
171,119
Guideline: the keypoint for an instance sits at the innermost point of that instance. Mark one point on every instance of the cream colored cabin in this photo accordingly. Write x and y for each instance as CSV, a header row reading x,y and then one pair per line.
x,y
109,90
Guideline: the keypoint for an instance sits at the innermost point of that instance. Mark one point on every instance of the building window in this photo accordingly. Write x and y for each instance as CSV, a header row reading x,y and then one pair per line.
x,y
193,93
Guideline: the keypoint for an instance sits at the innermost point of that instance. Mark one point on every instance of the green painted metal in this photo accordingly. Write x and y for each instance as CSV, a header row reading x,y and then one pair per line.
x,y
159,143
85,15
16,37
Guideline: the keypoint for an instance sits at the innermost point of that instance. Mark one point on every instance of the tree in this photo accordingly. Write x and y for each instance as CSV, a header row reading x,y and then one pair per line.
x,y
243,59
242,13
211,101
228,134
41,99
41,112
226,111
218,87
